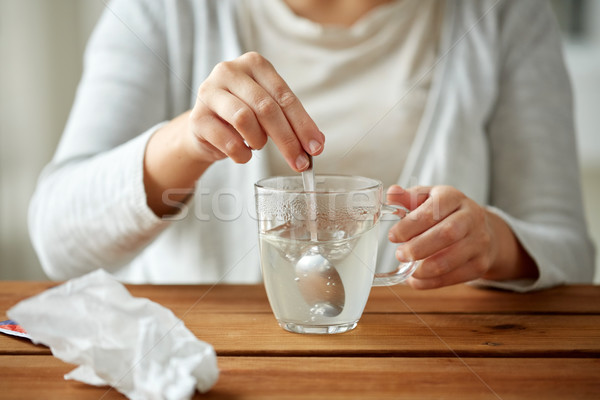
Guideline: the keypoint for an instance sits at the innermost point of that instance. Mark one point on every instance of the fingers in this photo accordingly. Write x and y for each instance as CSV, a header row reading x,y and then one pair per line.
x,y
429,206
447,260
472,269
218,139
255,101
449,232
272,119
427,241
305,129
237,114
409,198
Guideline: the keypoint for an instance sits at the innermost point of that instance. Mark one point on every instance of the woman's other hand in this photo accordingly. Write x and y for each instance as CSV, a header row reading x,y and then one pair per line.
x,y
457,239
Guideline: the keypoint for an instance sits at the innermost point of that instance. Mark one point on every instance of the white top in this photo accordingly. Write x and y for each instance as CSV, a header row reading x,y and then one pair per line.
x,y
497,125
337,74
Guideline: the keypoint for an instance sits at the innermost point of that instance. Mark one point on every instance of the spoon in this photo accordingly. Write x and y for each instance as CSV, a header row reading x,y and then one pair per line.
x,y
318,280
320,284
308,181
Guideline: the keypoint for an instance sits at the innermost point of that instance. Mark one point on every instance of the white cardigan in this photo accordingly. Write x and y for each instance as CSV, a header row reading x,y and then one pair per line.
x,y
498,126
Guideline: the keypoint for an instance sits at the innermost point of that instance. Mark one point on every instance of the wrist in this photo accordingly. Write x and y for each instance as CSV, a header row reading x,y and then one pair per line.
x,y
509,259
170,168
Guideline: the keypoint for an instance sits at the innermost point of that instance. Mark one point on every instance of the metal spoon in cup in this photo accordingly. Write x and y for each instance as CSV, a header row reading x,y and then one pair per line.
x,y
318,280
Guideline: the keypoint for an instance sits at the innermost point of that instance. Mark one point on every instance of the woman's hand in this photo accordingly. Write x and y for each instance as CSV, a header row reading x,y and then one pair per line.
x,y
240,106
457,239
243,103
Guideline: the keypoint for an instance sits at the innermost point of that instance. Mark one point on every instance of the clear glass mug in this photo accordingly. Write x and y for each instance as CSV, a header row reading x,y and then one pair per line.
x,y
318,249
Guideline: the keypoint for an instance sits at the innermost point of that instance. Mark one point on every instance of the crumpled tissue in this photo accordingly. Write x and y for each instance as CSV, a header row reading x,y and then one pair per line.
x,y
133,344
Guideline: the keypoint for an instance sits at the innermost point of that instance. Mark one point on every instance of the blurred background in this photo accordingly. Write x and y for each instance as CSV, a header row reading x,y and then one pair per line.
x,y
41,47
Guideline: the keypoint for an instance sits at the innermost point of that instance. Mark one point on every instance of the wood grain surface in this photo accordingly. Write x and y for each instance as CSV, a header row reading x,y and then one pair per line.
x,y
457,342
41,377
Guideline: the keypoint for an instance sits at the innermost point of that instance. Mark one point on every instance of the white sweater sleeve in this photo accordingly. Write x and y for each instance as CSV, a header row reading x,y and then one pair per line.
x,y
535,174
89,209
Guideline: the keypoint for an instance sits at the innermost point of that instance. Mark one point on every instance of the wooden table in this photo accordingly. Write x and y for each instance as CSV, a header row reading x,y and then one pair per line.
x,y
457,342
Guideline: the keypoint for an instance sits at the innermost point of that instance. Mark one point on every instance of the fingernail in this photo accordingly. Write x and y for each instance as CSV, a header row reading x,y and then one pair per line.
x,y
400,256
391,237
314,146
302,162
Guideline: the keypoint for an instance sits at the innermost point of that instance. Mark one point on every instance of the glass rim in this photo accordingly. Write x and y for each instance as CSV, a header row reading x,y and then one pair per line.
x,y
371,185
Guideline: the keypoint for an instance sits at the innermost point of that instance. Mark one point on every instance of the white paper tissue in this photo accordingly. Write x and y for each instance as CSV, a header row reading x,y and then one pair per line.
x,y
133,344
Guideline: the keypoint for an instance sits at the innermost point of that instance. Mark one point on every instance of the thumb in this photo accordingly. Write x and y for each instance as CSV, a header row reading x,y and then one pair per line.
x,y
410,198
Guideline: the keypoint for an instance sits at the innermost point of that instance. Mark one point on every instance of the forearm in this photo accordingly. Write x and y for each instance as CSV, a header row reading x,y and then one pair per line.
x,y
92,213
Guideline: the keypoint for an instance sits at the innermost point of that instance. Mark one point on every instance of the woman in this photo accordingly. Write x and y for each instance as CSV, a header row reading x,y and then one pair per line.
x,y
461,107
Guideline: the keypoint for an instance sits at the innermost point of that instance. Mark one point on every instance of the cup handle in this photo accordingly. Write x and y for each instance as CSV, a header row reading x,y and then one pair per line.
x,y
404,270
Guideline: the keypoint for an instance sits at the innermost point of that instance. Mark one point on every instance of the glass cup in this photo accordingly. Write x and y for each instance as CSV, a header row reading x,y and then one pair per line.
x,y
318,249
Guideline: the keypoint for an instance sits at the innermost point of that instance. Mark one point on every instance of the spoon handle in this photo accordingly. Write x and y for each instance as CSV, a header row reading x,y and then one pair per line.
x,y
308,180
308,176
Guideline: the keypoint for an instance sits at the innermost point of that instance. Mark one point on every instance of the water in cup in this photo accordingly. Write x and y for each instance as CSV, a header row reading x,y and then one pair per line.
x,y
308,301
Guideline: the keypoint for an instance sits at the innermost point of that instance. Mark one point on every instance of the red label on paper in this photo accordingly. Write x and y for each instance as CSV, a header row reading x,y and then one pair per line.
x,y
12,328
